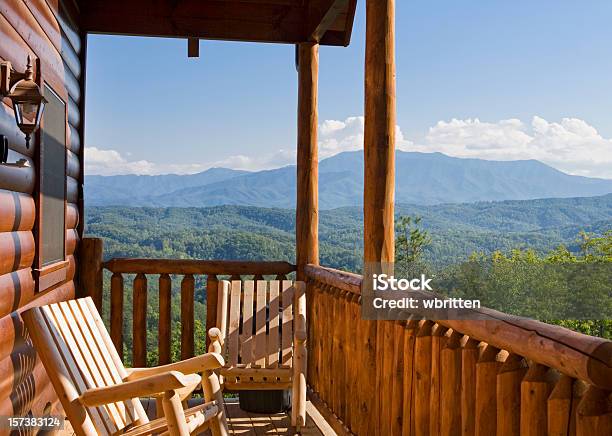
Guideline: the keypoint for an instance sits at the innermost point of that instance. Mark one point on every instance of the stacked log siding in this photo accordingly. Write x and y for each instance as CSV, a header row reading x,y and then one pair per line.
x,y
45,30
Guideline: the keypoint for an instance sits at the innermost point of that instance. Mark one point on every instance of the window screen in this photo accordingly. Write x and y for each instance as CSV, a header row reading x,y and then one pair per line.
x,y
53,179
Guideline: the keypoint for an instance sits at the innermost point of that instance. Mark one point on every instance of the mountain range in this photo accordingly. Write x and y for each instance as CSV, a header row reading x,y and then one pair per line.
x,y
421,179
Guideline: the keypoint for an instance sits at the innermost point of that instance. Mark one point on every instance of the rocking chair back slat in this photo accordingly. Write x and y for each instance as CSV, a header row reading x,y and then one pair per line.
x,y
97,346
233,338
261,348
246,338
273,342
87,365
287,326
80,359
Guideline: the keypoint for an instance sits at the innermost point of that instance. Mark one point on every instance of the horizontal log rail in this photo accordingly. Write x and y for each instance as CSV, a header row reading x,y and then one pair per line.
x,y
195,266
499,375
164,271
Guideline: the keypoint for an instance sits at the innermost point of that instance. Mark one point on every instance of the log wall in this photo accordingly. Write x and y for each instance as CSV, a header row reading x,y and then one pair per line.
x,y
46,31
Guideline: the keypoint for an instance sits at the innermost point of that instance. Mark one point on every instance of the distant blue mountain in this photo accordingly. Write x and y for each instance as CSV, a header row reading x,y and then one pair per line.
x,y
130,189
421,178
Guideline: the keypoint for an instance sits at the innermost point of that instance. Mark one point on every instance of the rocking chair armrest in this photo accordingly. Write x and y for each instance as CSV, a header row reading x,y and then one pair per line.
x,y
142,387
194,365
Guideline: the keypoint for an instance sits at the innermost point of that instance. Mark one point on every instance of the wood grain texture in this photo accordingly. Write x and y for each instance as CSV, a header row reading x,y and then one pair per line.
x,y
116,312
187,316
72,190
422,379
16,289
8,326
451,383
509,379
594,413
16,46
450,392
379,132
31,28
535,389
307,207
486,391
90,266
193,266
212,298
139,321
587,358
72,216
17,211
17,251
165,307
72,240
75,139
559,407
48,20
73,165
260,21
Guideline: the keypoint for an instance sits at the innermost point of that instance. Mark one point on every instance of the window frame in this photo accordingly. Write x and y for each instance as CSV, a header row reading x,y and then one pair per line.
x,y
52,274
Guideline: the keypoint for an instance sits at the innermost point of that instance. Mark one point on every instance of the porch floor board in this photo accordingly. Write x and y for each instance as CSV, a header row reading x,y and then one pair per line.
x,y
243,423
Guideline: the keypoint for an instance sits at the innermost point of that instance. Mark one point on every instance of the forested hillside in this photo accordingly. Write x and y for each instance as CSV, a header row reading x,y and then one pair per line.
x,y
243,232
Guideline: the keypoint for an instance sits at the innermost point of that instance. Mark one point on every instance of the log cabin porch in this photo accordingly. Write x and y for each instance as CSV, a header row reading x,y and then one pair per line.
x,y
414,377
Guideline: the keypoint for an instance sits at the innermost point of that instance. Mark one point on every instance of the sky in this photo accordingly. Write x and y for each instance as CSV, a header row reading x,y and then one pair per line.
x,y
499,80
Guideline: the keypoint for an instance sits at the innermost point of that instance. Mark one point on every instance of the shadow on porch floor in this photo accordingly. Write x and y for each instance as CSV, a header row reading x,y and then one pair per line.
x,y
242,423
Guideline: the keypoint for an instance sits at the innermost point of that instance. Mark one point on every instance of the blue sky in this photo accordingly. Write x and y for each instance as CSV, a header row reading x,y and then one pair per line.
x,y
490,79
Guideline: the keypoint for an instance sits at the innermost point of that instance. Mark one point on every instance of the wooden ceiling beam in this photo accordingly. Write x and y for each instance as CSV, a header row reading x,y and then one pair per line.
x,y
212,19
321,16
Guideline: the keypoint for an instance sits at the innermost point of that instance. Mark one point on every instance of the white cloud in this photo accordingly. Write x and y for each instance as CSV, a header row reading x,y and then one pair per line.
x,y
348,135
571,145
112,162
266,161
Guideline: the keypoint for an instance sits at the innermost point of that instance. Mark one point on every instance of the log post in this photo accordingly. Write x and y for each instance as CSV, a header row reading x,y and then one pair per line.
x,y
139,321
379,146
469,358
116,312
486,391
307,207
187,316
509,379
91,254
379,151
164,338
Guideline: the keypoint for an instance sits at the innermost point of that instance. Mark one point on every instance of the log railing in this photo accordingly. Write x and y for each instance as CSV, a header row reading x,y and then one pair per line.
x,y
164,269
500,375
142,272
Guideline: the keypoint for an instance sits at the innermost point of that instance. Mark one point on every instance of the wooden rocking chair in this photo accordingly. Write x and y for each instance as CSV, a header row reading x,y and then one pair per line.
x,y
100,396
261,329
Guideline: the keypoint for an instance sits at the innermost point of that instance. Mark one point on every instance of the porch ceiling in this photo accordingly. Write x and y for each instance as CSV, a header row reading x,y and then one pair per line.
x,y
283,21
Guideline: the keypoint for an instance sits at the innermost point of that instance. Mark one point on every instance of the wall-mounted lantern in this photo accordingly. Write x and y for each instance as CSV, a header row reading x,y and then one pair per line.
x,y
28,101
